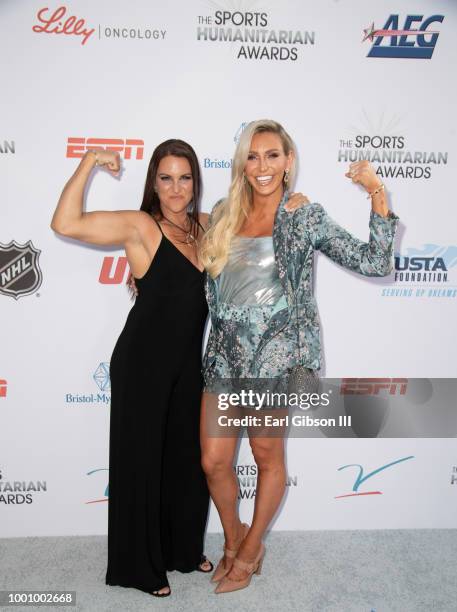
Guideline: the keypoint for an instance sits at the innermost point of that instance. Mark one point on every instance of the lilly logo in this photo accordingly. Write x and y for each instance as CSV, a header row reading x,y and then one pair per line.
x,y
361,477
104,499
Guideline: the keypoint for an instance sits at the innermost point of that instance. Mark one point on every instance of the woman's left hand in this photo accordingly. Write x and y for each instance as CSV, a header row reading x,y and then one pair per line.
x,y
296,200
132,286
364,174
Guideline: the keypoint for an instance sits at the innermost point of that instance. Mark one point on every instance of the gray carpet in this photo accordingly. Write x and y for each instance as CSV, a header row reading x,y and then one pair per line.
x,y
328,571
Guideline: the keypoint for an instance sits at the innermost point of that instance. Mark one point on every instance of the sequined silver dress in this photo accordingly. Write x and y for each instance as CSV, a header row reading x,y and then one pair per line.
x,y
250,292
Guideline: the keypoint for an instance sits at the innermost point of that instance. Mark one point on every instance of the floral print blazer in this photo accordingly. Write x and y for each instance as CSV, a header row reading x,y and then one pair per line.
x,y
294,325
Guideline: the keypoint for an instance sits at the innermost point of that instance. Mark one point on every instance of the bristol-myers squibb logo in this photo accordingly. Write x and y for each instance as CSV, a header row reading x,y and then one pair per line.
x,y
415,38
361,477
223,163
102,379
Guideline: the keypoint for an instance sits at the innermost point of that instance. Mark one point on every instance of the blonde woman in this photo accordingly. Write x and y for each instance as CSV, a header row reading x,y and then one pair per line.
x,y
259,263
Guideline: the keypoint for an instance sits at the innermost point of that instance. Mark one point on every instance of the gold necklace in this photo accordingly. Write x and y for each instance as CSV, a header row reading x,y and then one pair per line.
x,y
190,238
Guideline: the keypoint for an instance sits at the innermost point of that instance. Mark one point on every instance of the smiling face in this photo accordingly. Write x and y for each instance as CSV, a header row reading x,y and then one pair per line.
x,y
174,184
266,164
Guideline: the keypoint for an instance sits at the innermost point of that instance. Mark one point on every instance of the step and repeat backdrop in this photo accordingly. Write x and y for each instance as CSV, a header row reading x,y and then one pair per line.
x,y
349,81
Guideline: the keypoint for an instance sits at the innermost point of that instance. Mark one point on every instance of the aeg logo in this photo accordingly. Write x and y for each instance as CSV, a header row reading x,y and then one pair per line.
x,y
372,386
108,277
76,147
421,47
3,388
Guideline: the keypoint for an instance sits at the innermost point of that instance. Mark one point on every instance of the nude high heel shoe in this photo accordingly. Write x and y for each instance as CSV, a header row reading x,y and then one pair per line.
x,y
255,567
220,570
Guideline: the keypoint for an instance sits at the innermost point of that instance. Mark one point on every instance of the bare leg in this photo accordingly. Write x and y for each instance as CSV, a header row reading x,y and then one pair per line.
x,y
271,481
217,462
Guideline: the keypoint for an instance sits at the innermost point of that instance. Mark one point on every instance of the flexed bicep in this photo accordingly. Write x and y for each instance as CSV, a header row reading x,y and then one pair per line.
x,y
100,227
105,227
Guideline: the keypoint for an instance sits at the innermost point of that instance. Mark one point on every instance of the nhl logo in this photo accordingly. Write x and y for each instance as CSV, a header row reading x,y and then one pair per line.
x,y
20,272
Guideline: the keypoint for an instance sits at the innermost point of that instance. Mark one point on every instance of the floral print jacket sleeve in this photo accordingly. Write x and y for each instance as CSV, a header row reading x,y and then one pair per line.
x,y
372,258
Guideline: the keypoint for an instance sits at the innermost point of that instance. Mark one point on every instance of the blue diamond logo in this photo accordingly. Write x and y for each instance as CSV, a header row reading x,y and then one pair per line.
x,y
101,377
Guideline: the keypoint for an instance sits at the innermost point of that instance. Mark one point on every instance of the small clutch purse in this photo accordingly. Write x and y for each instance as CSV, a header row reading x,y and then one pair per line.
x,y
302,380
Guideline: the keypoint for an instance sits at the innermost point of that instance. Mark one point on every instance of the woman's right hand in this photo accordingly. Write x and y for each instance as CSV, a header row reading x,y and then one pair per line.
x,y
110,160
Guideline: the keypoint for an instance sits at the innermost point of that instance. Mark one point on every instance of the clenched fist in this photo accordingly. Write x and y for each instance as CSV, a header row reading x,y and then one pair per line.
x,y
110,160
362,172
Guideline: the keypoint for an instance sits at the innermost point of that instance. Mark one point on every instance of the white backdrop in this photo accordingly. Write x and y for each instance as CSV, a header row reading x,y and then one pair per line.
x,y
143,71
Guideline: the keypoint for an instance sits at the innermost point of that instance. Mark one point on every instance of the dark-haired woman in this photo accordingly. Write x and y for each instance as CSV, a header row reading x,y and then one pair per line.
x,y
157,523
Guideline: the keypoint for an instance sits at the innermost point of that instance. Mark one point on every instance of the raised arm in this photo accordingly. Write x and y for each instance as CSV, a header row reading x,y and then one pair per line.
x,y
103,228
372,258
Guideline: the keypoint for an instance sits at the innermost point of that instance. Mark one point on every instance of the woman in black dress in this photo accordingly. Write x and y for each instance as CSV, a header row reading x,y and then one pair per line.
x,y
158,524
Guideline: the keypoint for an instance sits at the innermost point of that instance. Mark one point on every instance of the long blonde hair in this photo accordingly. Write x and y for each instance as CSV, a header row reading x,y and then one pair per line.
x,y
228,217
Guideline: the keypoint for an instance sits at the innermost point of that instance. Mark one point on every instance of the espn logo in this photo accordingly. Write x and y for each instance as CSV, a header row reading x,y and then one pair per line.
x,y
3,387
373,386
76,147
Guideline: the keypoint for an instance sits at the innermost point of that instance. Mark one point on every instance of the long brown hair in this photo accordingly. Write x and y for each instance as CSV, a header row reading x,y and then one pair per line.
x,y
151,202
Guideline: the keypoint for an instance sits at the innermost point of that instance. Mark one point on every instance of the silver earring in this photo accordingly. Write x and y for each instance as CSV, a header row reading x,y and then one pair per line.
x,y
286,177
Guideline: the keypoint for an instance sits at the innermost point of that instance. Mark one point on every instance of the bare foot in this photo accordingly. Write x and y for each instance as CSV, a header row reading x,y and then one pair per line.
x,y
206,566
165,591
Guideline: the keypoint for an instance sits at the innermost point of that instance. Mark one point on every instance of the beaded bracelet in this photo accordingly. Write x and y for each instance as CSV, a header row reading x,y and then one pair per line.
x,y
378,190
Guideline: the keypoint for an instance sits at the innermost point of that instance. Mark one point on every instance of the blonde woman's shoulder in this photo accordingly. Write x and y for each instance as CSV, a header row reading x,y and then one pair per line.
x,y
218,203
215,208
203,219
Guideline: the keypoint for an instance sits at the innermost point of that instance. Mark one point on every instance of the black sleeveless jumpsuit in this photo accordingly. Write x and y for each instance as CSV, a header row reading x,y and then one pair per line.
x,y
158,497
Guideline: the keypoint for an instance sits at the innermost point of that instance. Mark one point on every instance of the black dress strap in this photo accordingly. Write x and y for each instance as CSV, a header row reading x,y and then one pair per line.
x,y
158,225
